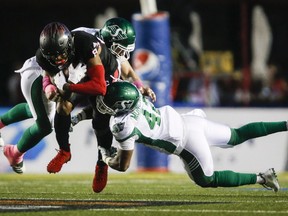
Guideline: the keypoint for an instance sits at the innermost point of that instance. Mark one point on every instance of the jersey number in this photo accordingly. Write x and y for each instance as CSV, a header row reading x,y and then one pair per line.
x,y
152,119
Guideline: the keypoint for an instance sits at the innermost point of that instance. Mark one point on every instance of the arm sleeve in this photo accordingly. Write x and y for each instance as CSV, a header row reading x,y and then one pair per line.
x,y
95,86
123,131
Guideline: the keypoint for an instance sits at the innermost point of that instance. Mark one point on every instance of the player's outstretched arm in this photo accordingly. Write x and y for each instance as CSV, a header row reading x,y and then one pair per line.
x,y
119,161
129,73
85,113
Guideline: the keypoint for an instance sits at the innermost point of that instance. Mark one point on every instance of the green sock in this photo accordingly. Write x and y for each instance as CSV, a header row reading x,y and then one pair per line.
x,y
41,126
254,130
31,137
232,179
17,113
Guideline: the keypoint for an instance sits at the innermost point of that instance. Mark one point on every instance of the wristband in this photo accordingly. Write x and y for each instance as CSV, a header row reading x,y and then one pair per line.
x,y
50,88
138,83
45,82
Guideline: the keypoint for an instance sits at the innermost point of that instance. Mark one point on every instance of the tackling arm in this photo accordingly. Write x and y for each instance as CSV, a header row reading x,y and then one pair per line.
x,y
128,72
121,161
85,113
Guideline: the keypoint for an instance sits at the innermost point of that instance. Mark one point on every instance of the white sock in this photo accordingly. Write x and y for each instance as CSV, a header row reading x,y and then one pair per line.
x,y
260,180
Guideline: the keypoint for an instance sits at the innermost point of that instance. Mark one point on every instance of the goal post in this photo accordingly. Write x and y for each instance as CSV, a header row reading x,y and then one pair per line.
x,y
152,62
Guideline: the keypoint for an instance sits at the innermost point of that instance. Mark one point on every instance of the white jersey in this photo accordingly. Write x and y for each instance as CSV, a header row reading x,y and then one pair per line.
x,y
29,72
161,128
32,66
188,135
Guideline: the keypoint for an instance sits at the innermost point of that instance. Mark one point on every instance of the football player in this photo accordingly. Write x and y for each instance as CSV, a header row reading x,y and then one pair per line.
x,y
37,106
34,99
60,50
189,136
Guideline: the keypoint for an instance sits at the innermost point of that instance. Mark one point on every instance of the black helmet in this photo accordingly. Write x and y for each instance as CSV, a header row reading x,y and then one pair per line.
x,y
56,43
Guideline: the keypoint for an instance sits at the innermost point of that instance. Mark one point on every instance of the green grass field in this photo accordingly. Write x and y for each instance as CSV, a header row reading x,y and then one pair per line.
x,y
134,194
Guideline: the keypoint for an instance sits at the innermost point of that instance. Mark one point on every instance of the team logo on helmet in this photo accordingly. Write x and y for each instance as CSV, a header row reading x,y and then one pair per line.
x,y
123,105
116,32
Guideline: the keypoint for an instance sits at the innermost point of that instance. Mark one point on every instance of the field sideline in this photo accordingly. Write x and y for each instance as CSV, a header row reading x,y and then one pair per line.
x,y
134,193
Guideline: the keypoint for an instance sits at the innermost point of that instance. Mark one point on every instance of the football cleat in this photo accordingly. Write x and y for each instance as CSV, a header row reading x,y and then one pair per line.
x,y
100,177
15,158
57,162
270,180
19,168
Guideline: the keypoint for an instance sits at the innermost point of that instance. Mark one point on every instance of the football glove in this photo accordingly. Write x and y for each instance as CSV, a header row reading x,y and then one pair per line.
x,y
107,154
60,80
77,73
75,120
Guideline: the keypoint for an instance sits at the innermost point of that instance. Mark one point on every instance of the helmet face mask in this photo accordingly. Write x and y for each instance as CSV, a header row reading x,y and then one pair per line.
x,y
56,43
121,97
121,52
119,36
102,107
57,59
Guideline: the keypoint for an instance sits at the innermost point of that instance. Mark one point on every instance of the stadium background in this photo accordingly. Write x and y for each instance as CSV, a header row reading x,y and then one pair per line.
x,y
226,27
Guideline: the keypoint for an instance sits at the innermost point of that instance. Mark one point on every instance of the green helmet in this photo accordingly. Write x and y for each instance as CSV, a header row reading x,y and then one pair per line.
x,y
119,36
121,97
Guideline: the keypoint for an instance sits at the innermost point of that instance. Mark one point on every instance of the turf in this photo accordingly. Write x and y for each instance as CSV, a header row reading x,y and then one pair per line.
x,y
134,193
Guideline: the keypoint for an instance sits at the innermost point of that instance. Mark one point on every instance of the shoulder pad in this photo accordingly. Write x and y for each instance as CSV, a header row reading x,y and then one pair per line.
x,y
29,63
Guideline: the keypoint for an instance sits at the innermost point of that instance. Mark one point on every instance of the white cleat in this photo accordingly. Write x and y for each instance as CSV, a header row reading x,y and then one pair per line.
x,y
270,180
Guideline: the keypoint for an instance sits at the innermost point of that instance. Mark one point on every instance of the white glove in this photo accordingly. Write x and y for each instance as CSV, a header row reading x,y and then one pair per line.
x,y
60,80
107,154
77,73
75,120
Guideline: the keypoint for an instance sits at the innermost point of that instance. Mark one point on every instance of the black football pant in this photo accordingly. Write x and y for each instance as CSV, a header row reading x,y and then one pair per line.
x,y
100,123
62,122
